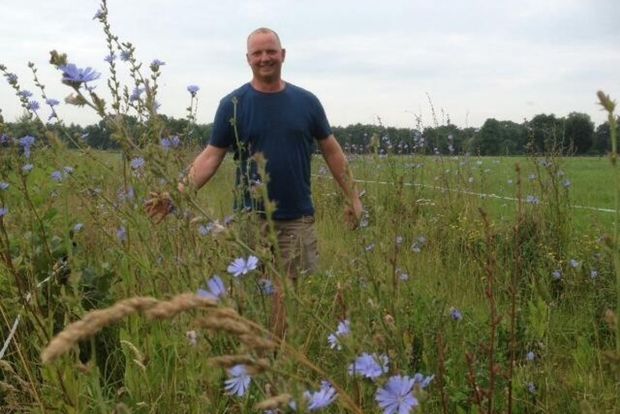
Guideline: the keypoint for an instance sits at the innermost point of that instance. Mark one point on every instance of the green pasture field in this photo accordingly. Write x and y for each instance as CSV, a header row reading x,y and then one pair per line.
x,y
506,303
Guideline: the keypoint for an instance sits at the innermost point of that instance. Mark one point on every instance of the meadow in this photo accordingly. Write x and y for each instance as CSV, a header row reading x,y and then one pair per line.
x,y
471,285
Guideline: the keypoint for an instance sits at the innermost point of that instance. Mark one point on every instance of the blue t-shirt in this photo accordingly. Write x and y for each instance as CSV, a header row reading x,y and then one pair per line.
x,y
282,126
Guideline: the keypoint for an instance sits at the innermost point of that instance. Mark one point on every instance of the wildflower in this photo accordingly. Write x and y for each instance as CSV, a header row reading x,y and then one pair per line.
x,y
74,76
396,397
402,276
3,211
369,366
110,58
68,170
27,168
170,142
370,247
216,289
322,398
11,78
193,89
399,240
204,230
56,176
456,314
52,102
125,55
422,381
135,94
78,227
509,182
532,177
155,64
533,200
26,142
24,94
3,186
593,274
4,139
574,263
121,234
470,180
240,266
99,15
556,274
239,381
266,287
136,163
530,356
531,387
566,183
343,329
33,106
192,337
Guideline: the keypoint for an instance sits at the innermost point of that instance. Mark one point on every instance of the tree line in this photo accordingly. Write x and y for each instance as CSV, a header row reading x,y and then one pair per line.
x,y
574,134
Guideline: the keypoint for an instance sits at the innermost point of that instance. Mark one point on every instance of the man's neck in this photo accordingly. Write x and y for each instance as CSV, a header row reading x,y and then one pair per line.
x,y
268,87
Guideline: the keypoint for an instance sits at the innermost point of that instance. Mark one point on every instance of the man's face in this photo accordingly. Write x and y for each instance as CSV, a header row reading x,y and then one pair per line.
x,y
265,56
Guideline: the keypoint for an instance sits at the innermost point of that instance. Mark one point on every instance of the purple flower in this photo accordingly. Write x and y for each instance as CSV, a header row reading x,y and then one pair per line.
x,y
556,274
110,58
396,397
566,183
121,234
456,314
205,229
33,106
574,263
78,227
240,266
24,93
533,200
170,142
56,176
216,289
321,398
266,287
136,163
99,15
11,78
343,329
125,55
4,186
27,168
155,64
135,94
531,387
193,89
26,142
68,170
74,76
3,211
369,366
238,382
424,382
52,102
531,356
593,274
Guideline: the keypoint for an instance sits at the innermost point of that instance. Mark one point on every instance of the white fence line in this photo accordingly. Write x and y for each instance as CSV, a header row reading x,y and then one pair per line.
x,y
473,193
7,342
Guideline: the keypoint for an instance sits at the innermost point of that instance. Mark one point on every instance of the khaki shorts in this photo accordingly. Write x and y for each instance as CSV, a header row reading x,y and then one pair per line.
x,y
297,245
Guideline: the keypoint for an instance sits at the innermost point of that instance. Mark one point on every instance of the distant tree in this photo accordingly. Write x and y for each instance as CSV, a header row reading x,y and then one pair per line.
x,y
546,132
578,132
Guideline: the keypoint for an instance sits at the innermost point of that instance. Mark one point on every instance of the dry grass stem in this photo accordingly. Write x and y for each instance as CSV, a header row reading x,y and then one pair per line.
x,y
92,323
257,343
229,361
178,304
235,327
273,403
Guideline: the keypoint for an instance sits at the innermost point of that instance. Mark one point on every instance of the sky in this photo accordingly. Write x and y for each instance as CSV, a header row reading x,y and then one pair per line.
x,y
389,62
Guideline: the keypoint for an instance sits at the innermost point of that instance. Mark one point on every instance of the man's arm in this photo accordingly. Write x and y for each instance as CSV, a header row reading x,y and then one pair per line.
x,y
204,167
339,167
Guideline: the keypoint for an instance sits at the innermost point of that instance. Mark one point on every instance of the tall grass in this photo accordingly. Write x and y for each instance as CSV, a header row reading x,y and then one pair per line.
x,y
509,302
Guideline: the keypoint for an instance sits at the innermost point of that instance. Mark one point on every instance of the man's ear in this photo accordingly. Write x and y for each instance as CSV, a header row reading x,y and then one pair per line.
x,y
283,54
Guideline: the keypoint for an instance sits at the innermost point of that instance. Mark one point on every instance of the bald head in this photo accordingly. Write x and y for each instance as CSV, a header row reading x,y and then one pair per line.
x,y
264,30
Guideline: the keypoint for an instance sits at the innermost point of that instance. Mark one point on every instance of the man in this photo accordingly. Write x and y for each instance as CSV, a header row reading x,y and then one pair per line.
x,y
280,121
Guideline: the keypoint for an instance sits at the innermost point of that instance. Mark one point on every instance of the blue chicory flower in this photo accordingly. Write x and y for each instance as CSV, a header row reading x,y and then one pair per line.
x,y
215,289
24,93
26,168
33,106
56,176
11,78
456,314
137,163
75,76
193,89
369,366
238,382
530,356
266,287
396,397
240,266
125,55
52,102
121,234
4,186
110,58
78,227
3,211
321,398
343,329
556,274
